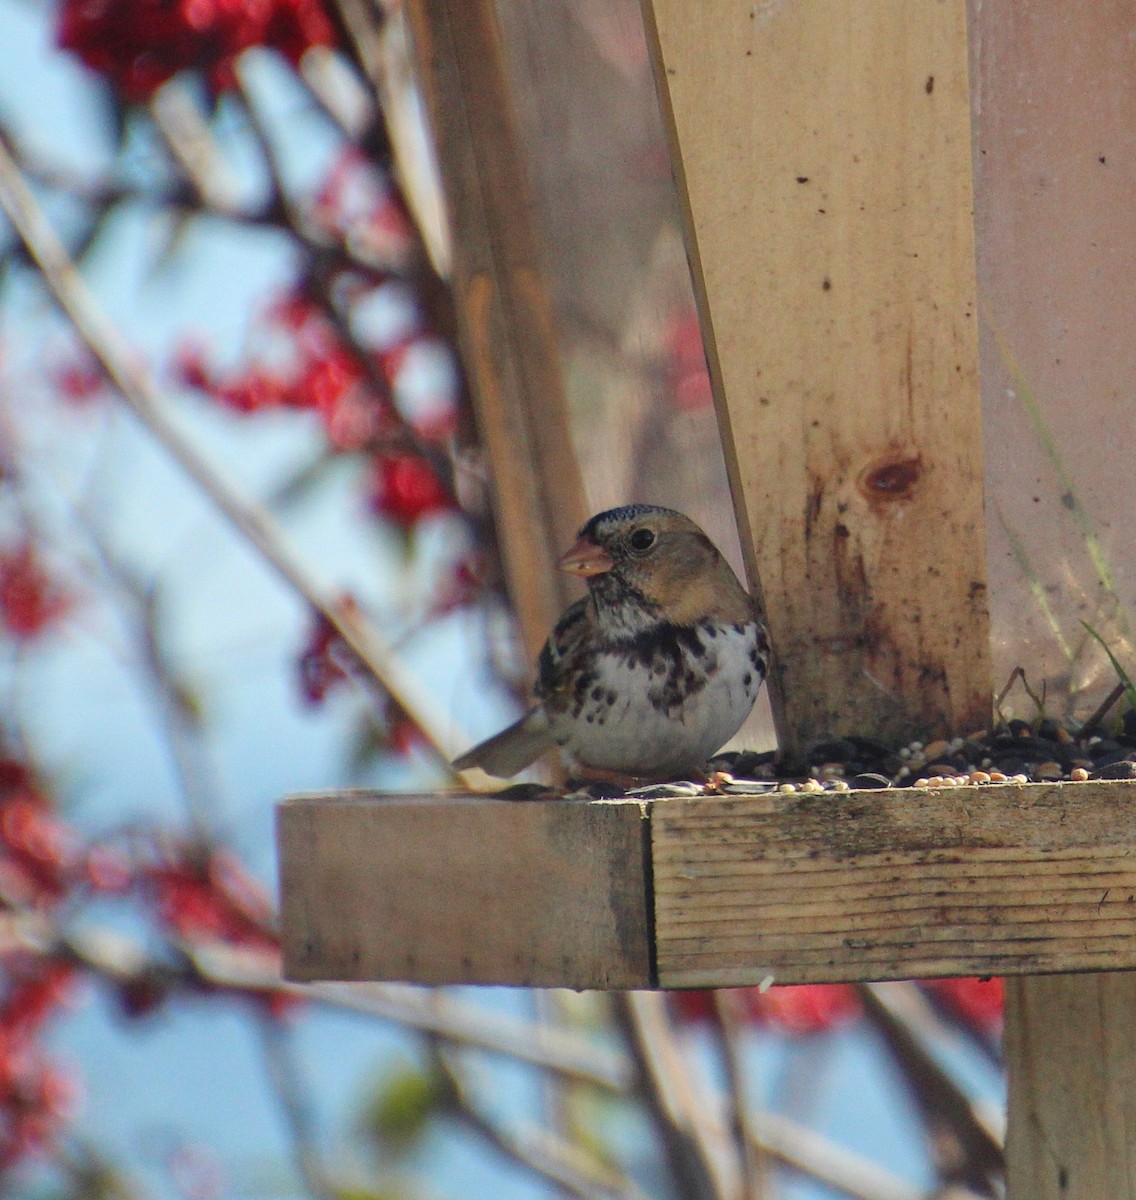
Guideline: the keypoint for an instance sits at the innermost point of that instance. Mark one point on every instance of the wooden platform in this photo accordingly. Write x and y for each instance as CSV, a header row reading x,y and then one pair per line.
x,y
710,892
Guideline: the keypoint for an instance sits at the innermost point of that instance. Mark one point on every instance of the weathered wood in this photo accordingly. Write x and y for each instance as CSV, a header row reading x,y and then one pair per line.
x,y
509,346
823,153
797,887
1072,1132
439,889
804,888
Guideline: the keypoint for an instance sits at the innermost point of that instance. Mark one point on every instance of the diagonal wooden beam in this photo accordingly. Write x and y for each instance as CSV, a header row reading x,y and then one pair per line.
x,y
508,338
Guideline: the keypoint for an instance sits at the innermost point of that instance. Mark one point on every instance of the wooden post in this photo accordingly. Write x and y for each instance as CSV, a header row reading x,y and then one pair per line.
x,y
824,155
1072,1119
509,344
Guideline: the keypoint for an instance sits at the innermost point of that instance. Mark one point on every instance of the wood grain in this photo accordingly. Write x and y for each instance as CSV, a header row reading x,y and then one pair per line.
x,y
1072,1132
459,890
510,349
805,888
802,887
823,153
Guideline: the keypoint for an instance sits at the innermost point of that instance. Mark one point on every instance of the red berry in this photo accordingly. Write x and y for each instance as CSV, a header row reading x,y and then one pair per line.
x,y
977,1003
406,488
31,601
140,44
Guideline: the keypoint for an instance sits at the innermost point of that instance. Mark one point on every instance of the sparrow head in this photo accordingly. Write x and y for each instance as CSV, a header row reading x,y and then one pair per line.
x,y
656,560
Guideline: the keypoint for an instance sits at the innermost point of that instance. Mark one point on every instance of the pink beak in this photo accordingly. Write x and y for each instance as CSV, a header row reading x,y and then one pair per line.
x,y
586,559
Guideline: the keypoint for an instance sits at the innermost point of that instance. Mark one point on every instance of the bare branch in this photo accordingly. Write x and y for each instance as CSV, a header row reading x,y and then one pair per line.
x,y
730,1015
964,1150
284,1074
695,1148
548,1156
137,388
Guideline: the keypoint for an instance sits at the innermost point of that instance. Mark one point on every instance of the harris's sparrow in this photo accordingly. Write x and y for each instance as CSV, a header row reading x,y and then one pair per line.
x,y
653,670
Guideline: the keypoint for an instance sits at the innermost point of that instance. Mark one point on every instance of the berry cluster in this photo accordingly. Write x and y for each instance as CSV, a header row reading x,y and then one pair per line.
x,y
42,865
140,44
192,896
354,350
36,1094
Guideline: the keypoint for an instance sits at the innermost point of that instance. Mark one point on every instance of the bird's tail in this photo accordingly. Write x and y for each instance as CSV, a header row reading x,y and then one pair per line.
x,y
508,753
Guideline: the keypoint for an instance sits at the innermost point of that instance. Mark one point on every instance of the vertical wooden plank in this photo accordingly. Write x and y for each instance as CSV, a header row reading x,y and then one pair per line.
x,y
1072,1119
505,315
823,152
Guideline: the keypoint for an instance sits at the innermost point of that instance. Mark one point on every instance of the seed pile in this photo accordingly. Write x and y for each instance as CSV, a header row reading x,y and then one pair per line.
x,y
1016,752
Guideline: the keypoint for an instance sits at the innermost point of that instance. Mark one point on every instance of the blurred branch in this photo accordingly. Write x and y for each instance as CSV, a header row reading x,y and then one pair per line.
x,y
223,969
542,1152
344,100
280,201
665,1084
190,140
729,1014
179,710
963,1149
571,1055
844,1171
140,393
283,1072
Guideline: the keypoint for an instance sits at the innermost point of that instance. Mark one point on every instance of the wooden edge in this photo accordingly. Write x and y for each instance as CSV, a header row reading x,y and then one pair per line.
x,y
462,889
895,884
715,891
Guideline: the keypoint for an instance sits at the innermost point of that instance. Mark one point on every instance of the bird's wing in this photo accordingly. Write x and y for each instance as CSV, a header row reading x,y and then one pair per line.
x,y
566,658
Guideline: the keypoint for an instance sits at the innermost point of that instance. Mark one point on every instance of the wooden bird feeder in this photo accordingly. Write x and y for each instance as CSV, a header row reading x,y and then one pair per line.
x,y
823,157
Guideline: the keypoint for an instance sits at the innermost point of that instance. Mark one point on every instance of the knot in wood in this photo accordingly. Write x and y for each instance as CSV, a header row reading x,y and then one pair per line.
x,y
892,478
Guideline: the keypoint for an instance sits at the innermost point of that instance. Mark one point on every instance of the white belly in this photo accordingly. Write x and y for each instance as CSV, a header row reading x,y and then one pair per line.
x,y
634,722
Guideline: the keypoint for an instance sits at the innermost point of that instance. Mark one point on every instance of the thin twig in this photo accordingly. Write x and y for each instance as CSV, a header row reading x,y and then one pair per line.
x,y
542,1152
729,1018
1102,710
698,1166
139,391
270,158
178,713
191,143
291,1091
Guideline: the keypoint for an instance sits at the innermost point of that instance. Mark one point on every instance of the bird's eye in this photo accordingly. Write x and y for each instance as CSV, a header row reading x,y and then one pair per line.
x,y
642,540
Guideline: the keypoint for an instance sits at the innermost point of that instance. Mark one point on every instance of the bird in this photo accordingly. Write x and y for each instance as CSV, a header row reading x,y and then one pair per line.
x,y
646,676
